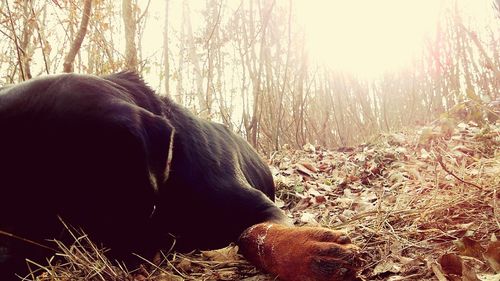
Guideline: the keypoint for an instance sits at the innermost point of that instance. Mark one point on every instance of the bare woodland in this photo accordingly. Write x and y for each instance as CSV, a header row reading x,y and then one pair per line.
x,y
247,66
421,203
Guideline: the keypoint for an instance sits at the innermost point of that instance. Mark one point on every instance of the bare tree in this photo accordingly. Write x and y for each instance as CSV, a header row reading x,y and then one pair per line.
x,y
129,21
16,40
166,63
80,35
248,66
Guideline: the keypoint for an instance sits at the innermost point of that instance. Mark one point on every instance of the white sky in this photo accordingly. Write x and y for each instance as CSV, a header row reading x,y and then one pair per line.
x,y
368,38
363,37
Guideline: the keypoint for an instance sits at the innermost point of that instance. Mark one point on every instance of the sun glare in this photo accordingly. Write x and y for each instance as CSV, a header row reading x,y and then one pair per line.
x,y
367,38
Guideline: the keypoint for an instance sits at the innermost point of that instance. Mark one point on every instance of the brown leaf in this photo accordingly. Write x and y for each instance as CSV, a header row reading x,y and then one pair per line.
x,y
492,255
451,264
303,170
320,199
303,204
387,266
438,272
412,266
229,253
185,265
309,166
455,269
469,274
469,247
323,167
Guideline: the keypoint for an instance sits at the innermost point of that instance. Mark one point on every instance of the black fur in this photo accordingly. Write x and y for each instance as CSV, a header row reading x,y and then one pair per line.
x,y
108,155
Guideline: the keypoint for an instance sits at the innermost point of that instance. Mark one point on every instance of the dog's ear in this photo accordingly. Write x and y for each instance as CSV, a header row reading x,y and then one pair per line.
x,y
158,138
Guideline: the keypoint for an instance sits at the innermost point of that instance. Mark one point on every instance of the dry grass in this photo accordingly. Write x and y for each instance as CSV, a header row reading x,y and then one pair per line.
x,y
83,260
406,199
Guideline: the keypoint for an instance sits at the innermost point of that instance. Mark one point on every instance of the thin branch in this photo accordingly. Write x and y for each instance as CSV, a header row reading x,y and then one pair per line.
x,y
440,161
37,27
25,240
18,49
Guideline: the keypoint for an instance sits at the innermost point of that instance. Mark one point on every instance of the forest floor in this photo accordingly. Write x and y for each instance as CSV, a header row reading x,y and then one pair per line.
x,y
422,205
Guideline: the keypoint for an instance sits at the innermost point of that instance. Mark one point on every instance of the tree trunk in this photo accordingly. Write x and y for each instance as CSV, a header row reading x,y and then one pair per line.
x,y
166,64
130,30
77,43
195,61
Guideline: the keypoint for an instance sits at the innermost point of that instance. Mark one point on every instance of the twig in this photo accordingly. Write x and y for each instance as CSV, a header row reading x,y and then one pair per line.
x,y
13,236
37,27
18,48
440,161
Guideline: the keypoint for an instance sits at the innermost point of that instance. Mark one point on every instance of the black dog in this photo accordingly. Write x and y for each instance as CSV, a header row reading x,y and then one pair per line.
x,y
108,155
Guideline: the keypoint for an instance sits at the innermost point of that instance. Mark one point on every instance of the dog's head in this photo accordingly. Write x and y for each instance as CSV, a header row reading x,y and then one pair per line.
x,y
59,130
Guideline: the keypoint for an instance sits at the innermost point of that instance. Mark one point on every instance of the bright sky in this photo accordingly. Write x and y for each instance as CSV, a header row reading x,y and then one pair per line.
x,y
368,38
363,37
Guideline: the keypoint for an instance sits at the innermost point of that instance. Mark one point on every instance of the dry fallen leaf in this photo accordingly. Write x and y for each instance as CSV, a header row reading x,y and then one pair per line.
x,y
309,166
387,266
279,203
319,199
492,256
304,170
438,272
185,265
229,253
469,247
309,148
451,264
308,218
455,269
